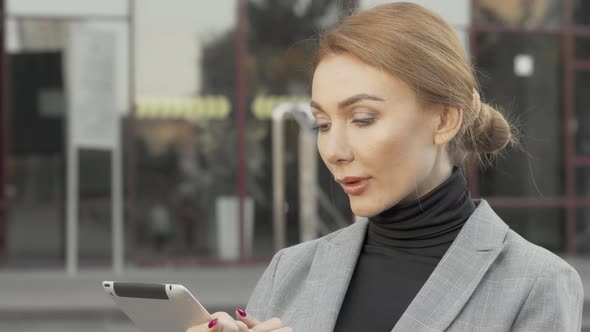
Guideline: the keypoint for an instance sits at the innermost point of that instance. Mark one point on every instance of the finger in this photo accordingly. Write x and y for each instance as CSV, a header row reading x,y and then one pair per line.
x,y
211,326
228,324
242,326
243,316
269,325
283,329
222,316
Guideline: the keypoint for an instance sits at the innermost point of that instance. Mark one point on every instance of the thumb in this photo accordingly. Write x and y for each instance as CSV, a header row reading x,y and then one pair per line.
x,y
242,316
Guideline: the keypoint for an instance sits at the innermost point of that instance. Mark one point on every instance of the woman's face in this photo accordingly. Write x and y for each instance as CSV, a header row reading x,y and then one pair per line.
x,y
374,135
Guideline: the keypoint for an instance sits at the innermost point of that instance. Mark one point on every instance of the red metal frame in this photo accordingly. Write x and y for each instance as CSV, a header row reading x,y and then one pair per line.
x,y
581,161
581,64
241,54
4,136
577,31
568,116
511,202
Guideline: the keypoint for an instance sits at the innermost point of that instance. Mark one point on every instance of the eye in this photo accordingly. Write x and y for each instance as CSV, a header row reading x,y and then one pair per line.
x,y
321,127
364,121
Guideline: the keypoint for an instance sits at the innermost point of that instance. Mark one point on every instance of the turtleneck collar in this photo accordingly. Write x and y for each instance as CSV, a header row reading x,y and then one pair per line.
x,y
427,224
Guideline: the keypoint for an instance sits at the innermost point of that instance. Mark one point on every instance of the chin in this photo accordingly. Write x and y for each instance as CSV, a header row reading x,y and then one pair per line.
x,y
365,210
366,207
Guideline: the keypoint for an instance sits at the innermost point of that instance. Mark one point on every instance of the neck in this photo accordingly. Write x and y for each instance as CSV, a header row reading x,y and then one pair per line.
x,y
430,221
436,177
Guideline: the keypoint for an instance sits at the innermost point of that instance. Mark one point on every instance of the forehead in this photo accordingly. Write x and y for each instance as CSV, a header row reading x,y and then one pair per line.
x,y
341,75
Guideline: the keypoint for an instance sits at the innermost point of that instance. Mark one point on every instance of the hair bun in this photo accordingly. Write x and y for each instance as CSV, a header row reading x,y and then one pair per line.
x,y
490,131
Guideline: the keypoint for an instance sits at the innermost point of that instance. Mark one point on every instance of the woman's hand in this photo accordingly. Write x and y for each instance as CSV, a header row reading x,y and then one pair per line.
x,y
221,322
271,325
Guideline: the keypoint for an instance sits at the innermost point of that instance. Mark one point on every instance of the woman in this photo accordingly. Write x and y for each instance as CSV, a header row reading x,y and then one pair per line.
x,y
398,114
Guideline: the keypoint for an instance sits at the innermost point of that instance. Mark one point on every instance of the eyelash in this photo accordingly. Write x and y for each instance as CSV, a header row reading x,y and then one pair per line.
x,y
361,122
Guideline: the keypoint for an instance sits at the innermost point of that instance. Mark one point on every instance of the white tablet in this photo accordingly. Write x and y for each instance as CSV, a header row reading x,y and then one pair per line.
x,y
157,307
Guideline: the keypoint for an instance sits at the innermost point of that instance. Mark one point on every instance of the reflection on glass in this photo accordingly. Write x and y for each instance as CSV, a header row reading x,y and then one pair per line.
x,y
581,12
185,132
36,220
583,48
95,215
541,226
582,113
281,39
37,114
534,104
183,168
583,182
42,34
520,13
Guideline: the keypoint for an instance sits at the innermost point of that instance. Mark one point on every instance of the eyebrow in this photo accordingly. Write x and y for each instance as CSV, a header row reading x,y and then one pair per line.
x,y
348,101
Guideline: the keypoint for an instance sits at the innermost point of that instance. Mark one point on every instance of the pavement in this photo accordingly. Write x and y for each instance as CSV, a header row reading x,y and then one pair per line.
x,y
32,300
49,300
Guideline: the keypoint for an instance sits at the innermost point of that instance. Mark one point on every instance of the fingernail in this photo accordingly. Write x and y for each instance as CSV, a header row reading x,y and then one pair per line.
x,y
213,322
241,312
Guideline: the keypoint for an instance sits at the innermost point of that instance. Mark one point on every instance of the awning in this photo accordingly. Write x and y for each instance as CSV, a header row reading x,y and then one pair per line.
x,y
262,106
187,108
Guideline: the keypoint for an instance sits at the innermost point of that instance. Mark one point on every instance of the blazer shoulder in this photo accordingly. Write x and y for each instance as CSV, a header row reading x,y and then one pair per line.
x,y
553,294
523,259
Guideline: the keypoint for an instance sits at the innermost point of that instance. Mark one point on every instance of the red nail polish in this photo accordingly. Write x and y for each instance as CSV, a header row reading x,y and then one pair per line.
x,y
213,322
241,312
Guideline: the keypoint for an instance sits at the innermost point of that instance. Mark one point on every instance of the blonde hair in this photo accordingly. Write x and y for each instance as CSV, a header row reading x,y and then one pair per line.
x,y
420,48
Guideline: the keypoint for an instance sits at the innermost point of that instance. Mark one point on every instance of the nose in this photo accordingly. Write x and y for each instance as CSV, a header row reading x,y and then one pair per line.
x,y
336,149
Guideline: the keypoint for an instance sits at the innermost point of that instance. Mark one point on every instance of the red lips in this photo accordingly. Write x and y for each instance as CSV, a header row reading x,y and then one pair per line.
x,y
354,185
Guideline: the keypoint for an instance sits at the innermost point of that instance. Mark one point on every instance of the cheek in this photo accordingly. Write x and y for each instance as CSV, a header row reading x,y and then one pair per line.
x,y
320,143
384,147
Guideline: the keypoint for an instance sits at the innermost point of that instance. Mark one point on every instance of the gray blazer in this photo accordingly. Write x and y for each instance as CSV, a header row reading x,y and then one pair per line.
x,y
490,279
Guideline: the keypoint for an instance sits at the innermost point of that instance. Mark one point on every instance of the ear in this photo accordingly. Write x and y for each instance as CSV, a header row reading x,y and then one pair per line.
x,y
448,123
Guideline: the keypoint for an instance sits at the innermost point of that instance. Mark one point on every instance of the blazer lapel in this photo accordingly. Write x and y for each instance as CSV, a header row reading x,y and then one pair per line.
x,y
457,275
331,272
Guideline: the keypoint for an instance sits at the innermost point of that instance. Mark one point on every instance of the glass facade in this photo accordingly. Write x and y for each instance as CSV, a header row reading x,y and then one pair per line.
x,y
192,77
184,142
526,67
187,170
582,48
180,143
582,107
280,47
542,226
534,104
181,165
583,229
37,118
583,182
581,12
37,163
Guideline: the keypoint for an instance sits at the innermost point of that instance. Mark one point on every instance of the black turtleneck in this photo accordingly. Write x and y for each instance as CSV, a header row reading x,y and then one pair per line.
x,y
402,247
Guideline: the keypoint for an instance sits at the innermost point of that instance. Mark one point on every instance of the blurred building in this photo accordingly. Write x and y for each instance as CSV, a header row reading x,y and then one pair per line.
x,y
196,83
